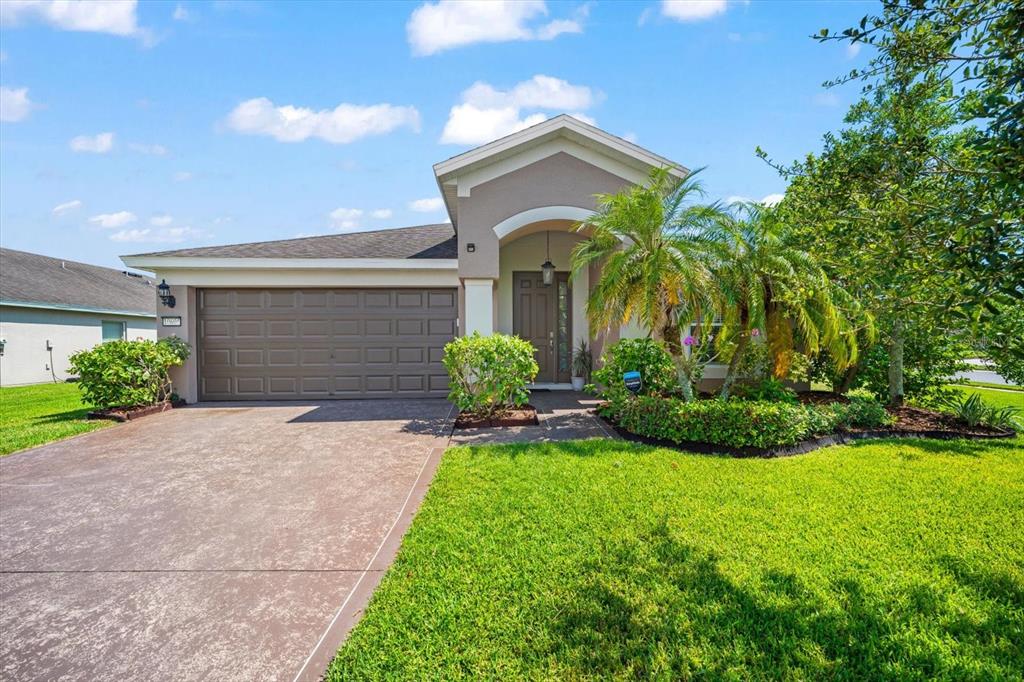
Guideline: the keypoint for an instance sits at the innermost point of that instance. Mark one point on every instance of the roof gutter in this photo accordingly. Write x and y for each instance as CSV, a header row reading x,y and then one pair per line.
x,y
74,308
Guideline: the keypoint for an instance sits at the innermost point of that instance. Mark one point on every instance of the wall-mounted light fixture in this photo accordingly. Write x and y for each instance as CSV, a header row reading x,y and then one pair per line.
x,y
547,269
164,292
470,247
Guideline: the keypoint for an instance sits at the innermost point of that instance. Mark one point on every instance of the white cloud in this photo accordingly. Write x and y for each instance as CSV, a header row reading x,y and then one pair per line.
x,y
630,137
852,50
381,213
61,209
162,220
346,218
182,176
117,17
826,99
153,149
437,26
692,10
167,235
136,235
768,200
14,104
180,13
427,205
93,144
113,220
341,125
487,113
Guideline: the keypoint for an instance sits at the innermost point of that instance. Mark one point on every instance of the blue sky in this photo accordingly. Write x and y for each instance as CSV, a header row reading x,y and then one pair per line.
x,y
128,129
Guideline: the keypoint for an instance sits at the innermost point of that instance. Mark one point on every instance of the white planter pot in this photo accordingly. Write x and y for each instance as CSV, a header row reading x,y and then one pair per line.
x,y
577,383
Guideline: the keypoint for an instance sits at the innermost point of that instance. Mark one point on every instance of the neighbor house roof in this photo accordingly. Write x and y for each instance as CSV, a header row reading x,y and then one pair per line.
x,y
35,281
421,241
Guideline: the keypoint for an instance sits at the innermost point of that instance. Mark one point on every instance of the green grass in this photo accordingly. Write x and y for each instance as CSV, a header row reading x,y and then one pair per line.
x,y
996,398
1004,387
33,415
601,559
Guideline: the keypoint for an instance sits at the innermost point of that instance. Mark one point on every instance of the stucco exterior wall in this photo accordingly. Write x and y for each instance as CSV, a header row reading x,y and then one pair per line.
x,y
185,379
558,180
26,330
526,255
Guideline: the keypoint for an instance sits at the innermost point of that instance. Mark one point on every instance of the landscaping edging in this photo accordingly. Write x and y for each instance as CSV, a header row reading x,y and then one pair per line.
x,y
520,416
800,448
123,414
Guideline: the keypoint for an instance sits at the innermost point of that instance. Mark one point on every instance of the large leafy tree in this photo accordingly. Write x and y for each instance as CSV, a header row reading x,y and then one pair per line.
x,y
653,269
976,49
868,205
764,281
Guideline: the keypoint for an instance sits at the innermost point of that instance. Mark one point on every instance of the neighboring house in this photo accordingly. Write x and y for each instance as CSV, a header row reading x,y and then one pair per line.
x,y
51,308
367,314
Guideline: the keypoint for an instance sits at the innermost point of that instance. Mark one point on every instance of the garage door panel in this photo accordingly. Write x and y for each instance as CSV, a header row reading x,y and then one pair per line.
x,y
338,343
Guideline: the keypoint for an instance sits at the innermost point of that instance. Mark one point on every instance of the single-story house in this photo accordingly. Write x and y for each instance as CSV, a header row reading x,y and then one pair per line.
x,y
367,314
51,308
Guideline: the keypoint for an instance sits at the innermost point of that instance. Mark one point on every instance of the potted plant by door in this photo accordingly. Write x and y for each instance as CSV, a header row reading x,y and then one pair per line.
x,y
581,365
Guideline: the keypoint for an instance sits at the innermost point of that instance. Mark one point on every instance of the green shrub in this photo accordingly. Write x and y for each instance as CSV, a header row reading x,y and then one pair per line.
x,y
647,356
128,373
735,423
973,410
766,390
864,410
489,374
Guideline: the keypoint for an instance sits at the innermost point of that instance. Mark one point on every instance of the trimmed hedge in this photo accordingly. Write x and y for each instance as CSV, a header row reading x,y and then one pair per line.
x,y
740,423
736,423
128,373
489,374
647,356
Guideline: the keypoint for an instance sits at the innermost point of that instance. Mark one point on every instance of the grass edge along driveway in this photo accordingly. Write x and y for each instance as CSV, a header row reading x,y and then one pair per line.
x,y
885,559
41,413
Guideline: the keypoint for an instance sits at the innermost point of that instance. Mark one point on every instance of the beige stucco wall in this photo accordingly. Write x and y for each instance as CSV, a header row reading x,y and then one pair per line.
x,y
185,378
526,255
26,331
558,180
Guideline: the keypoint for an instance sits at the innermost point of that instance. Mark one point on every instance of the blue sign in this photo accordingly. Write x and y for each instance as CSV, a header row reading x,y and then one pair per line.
x,y
632,381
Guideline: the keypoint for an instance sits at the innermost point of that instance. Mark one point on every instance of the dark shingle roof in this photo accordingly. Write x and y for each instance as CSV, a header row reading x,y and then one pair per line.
x,y
422,241
31,278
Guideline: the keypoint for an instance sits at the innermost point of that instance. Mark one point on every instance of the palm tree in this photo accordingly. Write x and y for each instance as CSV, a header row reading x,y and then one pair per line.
x,y
654,267
766,283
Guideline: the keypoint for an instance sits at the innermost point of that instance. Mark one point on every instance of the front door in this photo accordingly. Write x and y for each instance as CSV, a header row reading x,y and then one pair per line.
x,y
543,316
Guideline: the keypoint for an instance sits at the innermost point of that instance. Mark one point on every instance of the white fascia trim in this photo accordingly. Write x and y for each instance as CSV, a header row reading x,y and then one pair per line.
x,y
565,122
153,263
535,215
75,308
479,176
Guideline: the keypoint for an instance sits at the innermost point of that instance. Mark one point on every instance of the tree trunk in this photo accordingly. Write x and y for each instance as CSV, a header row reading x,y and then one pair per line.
x,y
848,378
670,336
737,355
896,364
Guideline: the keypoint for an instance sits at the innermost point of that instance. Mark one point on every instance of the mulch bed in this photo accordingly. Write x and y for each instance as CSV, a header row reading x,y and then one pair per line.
x,y
521,416
123,414
911,422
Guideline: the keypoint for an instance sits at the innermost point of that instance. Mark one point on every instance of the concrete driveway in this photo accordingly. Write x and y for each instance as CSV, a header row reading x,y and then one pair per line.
x,y
211,542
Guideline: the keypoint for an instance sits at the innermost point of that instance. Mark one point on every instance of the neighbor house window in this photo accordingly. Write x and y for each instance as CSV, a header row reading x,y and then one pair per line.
x,y
113,331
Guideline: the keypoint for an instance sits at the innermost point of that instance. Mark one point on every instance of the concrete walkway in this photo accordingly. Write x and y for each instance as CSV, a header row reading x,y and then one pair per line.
x,y
211,542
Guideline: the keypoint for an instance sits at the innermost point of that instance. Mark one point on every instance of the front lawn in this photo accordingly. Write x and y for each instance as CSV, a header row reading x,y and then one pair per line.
x,y
996,397
602,559
33,415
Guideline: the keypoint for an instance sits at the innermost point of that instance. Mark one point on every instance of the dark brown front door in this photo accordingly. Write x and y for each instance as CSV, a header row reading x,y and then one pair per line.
x,y
543,316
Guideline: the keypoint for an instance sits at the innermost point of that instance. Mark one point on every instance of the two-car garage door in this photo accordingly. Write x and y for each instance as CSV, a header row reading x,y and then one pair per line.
x,y
279,344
